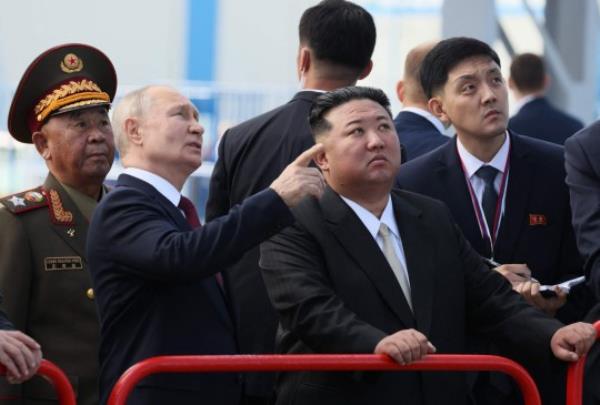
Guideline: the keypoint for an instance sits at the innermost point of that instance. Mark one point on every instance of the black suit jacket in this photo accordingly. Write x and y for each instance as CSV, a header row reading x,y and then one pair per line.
x,y
540,119
417,134
536,186
582,157
251,156
336,293
155,289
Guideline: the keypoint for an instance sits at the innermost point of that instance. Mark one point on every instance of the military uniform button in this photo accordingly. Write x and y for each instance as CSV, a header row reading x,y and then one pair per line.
x,y
90,293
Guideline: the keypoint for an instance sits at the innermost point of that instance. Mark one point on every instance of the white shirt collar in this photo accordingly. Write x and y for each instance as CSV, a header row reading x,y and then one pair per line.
x,y
428,116
371,222
519,104
472,164
160,184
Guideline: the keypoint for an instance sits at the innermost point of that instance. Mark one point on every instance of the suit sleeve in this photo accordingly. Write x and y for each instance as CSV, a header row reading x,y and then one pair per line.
x,y
219,201
131,230
584,187
300,290
15,269
498,312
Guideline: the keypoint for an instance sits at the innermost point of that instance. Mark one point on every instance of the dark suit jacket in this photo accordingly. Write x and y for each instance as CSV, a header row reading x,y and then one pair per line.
x,y
336,293
582,157
417,134
155,289
540,119
535,186
5,324
251,156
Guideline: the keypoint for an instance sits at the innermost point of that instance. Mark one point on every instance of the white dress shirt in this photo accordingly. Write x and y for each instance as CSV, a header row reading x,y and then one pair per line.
x,y
160,184
372,223
471,164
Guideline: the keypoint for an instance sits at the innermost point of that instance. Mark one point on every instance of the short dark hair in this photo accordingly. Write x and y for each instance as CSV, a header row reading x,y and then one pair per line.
x,y
446,55
328,101
528,72
339,32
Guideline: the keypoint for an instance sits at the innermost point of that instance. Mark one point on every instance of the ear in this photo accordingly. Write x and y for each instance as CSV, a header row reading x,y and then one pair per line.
x,y
511,83
547,82
366,70
131,129
436,106
400,91
41,144
321,160
304,60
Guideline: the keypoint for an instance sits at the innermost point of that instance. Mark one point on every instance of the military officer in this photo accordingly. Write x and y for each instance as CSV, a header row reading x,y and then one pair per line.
x,y
61,107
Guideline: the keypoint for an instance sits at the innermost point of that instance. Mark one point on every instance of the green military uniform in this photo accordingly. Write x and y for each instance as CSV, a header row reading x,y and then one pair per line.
x,y
47,287
43,271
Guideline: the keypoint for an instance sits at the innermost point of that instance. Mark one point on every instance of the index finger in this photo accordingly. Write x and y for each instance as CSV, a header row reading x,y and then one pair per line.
x,y
307,156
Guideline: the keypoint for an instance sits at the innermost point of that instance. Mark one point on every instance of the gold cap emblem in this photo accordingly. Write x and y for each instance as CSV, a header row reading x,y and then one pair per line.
x,y
71,63
90,293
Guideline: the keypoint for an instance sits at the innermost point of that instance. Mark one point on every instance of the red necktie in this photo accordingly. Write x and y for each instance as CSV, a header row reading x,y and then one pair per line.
x,y
188,208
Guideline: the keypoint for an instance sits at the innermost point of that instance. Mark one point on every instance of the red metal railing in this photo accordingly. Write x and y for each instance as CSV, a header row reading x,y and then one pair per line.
x,y
55,376
327,362
575,376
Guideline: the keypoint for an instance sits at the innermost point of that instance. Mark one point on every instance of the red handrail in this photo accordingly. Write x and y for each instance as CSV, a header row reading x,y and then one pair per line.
x,y
326,362
55,376
575,376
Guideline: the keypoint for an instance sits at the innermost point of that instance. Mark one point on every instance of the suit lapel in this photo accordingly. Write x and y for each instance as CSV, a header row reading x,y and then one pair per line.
x,y
419,261
520,179
457,197
176,216
67,221
360,245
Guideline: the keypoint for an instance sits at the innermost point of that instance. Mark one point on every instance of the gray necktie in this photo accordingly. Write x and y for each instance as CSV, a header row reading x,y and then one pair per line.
x,y
395,263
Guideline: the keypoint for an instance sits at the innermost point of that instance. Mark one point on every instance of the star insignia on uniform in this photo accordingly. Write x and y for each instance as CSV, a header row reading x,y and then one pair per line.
x,y
17,201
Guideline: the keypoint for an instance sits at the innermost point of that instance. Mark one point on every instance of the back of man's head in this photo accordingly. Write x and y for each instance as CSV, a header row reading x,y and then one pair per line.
x,y
527,73
332,99
339,33
410,87
446,55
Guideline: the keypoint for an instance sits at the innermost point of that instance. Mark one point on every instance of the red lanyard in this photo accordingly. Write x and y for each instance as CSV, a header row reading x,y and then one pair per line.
x,y
480,219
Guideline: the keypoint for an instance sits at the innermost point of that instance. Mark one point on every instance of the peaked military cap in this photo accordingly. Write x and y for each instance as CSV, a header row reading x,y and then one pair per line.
x,y
65,78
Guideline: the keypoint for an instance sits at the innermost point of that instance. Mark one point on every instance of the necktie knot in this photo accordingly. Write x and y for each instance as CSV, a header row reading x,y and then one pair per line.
x,y
487,173
384,230
189,209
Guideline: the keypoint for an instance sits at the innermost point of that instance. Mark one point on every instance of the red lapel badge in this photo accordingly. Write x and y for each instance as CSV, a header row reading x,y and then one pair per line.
x,y
537,219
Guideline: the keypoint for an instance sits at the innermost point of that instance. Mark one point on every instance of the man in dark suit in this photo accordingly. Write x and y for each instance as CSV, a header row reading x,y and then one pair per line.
x,y
368,270
535,116
508,216
155,270
336,42
418,129
19,353
582,157
61,107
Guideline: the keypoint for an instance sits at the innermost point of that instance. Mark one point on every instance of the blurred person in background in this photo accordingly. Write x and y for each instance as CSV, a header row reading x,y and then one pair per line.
x,y
419,130
534,115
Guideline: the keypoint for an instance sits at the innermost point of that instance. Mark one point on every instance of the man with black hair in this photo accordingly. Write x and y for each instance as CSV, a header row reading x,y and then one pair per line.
x,y
535,116
506,191
368,269
337,39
